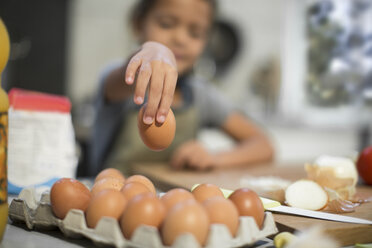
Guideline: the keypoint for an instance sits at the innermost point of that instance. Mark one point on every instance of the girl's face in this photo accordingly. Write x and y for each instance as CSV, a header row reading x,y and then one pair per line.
x,y
182,26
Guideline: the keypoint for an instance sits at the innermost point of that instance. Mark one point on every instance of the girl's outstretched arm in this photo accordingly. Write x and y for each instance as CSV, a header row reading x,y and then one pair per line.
x,y
252,147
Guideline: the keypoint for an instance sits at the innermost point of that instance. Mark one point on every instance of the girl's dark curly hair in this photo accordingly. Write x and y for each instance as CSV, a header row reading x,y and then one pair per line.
x,y
142,8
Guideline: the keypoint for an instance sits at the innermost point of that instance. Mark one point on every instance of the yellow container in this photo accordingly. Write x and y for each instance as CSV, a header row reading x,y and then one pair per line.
x,y
4,106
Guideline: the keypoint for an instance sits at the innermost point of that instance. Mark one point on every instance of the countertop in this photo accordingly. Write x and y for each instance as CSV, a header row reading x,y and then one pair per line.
x,y
166,178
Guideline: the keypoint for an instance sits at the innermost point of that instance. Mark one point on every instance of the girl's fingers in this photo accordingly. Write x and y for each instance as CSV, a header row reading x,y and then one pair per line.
x,y
132,68
197,160
170,81
178,160
182,155
200,158
155,92
142,82
204,164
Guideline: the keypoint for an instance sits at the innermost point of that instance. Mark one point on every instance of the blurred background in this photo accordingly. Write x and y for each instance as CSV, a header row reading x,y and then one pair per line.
x,y
303,69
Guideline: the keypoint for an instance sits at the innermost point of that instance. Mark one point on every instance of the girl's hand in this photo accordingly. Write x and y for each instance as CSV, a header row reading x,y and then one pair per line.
x,y
153,67
192,155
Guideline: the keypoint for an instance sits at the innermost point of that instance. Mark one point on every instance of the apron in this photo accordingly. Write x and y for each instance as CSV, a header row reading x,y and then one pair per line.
x,y
129,149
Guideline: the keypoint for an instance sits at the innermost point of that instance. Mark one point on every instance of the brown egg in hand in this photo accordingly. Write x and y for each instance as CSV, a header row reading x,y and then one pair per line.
x,y
157,136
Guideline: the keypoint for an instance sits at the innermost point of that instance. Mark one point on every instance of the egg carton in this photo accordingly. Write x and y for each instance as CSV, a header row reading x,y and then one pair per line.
x,y
38,214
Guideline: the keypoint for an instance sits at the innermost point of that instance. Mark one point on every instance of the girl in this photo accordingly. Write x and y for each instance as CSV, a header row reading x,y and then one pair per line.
x,y
173,34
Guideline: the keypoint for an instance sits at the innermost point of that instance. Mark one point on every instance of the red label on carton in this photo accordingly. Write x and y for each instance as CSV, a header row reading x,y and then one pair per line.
x,y
37,101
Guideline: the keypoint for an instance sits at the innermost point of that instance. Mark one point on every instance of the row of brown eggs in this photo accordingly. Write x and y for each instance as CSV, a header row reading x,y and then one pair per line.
x,y
133,202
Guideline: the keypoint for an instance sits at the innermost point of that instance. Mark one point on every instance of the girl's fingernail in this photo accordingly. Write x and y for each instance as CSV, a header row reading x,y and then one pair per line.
x,y
147,120
129,79
138,100
161,118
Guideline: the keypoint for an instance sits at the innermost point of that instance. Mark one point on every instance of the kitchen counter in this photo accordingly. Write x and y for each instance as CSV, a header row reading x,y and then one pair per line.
x,y
166,178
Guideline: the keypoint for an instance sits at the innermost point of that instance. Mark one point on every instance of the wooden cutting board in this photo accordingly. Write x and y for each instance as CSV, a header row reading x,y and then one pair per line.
x,y
347,234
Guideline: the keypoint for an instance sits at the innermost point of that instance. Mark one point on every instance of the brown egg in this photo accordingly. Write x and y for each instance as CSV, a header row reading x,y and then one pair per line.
x,y
157,136
143,209
174,196
66,194
107,183
132,189
110,172
248,204
186,217
222,211
142,179
204,191
108,203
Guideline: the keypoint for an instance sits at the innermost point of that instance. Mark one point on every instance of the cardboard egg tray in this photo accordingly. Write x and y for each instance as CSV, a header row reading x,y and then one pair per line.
x,y
38,214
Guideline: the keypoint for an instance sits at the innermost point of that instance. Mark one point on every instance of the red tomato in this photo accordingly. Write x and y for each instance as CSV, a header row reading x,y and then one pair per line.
x,y
364,165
